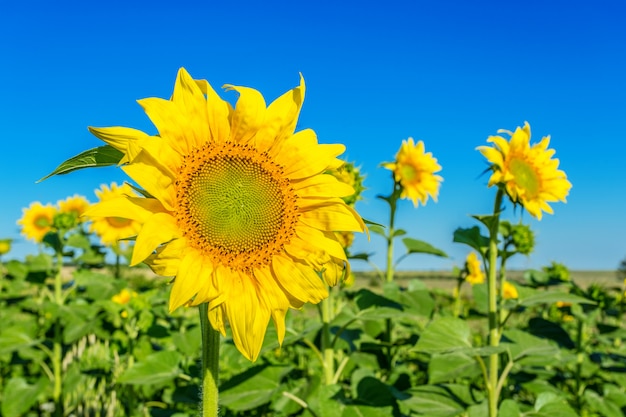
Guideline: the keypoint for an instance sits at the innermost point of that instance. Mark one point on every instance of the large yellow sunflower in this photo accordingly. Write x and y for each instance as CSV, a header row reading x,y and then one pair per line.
x,y
111,229
528,173
75,204
37,220
240,210
414,169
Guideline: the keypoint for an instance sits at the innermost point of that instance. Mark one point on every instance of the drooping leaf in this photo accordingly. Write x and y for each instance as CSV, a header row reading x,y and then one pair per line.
x,y
96,157
472,238
418,246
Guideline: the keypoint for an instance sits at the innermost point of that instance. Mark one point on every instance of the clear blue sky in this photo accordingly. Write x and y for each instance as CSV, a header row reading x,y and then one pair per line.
x,y
448,73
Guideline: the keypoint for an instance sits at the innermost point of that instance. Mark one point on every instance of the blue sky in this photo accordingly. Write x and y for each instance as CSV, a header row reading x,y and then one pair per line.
x,y
448,73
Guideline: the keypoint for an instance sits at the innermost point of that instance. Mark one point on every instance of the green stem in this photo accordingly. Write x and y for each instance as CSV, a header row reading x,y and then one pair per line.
x,y
492,294
390,235
327,346
579,363
57,343
210,364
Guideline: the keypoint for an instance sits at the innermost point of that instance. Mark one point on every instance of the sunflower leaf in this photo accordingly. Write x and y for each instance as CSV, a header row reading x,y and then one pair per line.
x,y
96,157
419,246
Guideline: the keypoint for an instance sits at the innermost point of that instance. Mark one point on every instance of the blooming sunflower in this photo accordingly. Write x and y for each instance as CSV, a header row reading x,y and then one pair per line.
x,y
37,220
414,169
474,273
5,246
111,229
75,204
509,291
528,173
240,210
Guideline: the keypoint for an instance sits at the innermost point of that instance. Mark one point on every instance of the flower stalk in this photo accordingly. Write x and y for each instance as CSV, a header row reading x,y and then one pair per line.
x,y
493,315
328,353
57,346
210,364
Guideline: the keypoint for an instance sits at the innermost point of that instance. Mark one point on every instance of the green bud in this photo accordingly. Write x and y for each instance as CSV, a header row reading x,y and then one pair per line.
x,y
523,238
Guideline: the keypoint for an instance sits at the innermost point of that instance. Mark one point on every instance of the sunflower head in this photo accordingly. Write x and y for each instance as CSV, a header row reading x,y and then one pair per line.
x,y
124,296
509,291
474,274
238,206
37,220
112,229
350,174
414,170
5,246
74,206
528,173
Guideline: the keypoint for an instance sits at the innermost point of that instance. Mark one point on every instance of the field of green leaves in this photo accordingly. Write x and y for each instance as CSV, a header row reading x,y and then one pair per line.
x,y
396,350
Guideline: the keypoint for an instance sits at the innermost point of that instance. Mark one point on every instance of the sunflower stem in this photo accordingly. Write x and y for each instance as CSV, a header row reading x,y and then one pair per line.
x,y
327,345
492,294
57,347
210,364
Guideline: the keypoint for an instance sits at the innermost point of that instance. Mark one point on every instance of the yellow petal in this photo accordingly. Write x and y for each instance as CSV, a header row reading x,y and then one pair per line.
x,y
216,317
249,114
305,161
158,229
299,280
274,298
332,216
218,112
187,281
322,186
154,178
248,317
281,118
133,208
123,139
192,104
166,261
325,241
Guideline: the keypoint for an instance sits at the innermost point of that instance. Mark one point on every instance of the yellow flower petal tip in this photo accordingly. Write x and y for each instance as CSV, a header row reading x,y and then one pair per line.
x,y
241,209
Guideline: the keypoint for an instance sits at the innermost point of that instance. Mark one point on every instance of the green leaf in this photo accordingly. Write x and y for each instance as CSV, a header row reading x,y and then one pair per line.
x,y
19,396
444,334
433,401
399,232
77,240
16,338
488,220
252,388
529,349
97,157
156,369
418,246
366,411
603,405
472,238
551,297
509,408
448,366
378,229
188,342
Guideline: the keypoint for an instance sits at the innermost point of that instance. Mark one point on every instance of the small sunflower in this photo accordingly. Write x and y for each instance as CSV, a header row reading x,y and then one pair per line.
x,y
5,246
124,296
240,211
528,173
414,169
474,273
509,292
111,229
75,205
37,220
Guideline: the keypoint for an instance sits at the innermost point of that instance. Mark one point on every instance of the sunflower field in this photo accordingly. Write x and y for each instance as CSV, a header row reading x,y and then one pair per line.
x,y
157,299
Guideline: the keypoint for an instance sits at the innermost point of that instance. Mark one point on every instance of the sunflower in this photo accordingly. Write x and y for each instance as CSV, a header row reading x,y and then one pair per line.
x,y
239,208
37,220
509,292
474,274
528,173
111,229
414,169
75,205
5,246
